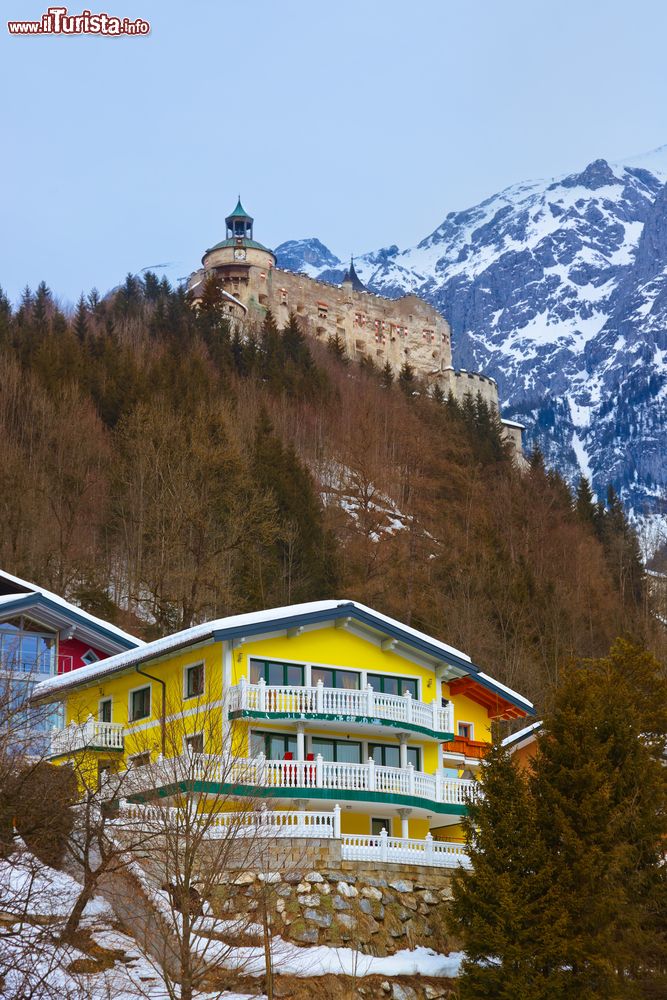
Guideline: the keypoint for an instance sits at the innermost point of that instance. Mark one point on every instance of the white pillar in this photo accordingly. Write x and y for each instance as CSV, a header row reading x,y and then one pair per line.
x,y
300,742
404,749
404,813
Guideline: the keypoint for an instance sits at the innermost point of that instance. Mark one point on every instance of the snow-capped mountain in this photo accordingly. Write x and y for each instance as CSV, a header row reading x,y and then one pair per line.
x,y
558,289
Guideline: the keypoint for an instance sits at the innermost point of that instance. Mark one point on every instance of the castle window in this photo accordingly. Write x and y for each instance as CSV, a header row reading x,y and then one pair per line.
x,y
322,310
283,296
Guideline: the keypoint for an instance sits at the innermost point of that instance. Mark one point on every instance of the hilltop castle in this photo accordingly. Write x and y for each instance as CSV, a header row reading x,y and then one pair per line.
x,y
401,330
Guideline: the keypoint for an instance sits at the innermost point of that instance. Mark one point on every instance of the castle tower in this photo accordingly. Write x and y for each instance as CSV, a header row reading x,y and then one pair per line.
x,y
239,223
351,279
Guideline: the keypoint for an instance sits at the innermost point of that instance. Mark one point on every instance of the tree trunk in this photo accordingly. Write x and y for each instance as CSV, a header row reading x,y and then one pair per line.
x,y
74,918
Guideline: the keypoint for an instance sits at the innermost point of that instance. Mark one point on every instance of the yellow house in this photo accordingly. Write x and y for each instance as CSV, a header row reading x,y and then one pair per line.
x,y
327,708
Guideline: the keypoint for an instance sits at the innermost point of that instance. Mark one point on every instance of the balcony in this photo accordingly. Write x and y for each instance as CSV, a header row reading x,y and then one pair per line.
x,y
265,823
464,751
88,735
342,705
297,779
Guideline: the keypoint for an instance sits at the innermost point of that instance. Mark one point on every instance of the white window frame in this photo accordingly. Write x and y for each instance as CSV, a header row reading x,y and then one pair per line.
x,y
101,702
462,722
191,666
132,691
90,662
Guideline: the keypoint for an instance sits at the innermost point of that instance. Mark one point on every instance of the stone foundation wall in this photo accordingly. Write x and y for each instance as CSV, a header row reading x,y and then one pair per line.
x,y
380,910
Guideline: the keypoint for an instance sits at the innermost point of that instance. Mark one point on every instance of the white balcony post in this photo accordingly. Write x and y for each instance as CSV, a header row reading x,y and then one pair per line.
x,y
438,786
371,774
319,771
336,823
436,715
243,691
429,848
411,778
408,706
370,701
405,830
403,739
261,770
261,696
300,742
383,844
319,698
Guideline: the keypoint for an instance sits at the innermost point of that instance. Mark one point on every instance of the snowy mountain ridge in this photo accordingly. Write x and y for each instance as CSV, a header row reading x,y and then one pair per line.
x,y
558,289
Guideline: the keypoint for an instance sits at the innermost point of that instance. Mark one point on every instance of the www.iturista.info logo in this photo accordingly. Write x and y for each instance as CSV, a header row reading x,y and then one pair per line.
x,y
56,21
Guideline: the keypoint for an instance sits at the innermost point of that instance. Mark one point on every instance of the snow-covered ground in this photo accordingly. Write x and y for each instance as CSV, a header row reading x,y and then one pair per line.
x,y
36,899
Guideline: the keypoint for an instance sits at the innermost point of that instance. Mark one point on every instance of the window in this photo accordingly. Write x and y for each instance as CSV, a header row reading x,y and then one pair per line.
x,y
141,759
90,656
194,680
341,751
389,684
105,710
378,825
389,755
276,674
24,649
274,746
140,703
465,730
195,743
332,677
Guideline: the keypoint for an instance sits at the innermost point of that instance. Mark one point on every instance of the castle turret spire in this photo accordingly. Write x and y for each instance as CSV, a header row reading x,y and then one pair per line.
x,y
351,278
239,223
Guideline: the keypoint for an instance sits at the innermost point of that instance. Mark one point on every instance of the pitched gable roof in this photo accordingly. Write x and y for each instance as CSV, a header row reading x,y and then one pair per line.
x,y
235,627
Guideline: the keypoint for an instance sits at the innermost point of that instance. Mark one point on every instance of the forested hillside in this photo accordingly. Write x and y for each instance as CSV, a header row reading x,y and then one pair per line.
x,y
160,472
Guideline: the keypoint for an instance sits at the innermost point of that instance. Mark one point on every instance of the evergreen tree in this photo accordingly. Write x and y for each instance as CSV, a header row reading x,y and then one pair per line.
x,y
585,504
600,793
566,899
81,320
438,395
406,378
387,376
337,348
497,906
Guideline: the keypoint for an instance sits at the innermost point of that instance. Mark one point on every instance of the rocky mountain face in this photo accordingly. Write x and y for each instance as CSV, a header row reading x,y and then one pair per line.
x,y
558,289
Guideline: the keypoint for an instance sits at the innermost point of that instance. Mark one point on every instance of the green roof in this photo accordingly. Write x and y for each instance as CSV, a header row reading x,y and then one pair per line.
x,y
239,211
251,244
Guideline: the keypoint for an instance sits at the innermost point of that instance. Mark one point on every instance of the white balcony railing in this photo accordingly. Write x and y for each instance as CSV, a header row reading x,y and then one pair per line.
x,y
300,776
91,733
315,825
403,850
347,702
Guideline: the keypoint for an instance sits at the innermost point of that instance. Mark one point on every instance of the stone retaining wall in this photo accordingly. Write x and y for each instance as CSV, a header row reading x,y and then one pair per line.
x,y
380,910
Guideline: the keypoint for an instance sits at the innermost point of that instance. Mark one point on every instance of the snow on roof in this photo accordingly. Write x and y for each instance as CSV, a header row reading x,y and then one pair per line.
x,y
503,687
32,588
275,618
515,738
512,423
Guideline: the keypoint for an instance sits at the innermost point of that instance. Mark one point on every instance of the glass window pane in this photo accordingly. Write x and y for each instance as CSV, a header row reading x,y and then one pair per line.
x,y
256,671
391,685
348,753
275,674
324,675
347,679
376,754
325,748
375,682
105,710
413,757
257,744
411,686
295,675
378,825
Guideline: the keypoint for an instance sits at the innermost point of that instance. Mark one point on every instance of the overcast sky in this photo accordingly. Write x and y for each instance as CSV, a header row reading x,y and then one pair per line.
x,y
362,122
